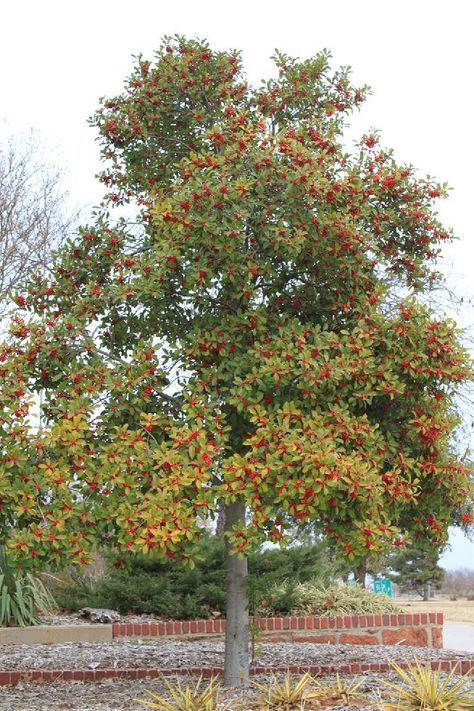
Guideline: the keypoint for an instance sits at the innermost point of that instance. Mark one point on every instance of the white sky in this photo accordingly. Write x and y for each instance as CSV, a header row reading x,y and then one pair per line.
x,y
57,57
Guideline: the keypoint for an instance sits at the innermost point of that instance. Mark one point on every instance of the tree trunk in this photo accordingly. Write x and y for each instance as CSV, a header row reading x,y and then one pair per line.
x,y
236,666
220,523
360,571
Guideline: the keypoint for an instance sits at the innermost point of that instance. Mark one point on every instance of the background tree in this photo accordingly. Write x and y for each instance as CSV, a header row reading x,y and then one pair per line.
x,y
459,583
238,343
33,214
416,568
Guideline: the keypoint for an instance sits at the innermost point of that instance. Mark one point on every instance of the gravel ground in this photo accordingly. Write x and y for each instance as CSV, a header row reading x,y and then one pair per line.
x,y
73,618
118,695
139,653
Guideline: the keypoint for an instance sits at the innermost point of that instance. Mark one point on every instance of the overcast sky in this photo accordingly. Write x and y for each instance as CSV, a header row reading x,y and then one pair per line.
x,y
58,57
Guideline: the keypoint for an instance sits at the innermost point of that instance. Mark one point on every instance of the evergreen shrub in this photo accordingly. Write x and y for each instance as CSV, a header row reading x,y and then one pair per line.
x,y
170,590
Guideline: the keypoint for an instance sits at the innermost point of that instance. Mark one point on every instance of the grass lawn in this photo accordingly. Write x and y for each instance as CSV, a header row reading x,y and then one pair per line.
x,y
454,610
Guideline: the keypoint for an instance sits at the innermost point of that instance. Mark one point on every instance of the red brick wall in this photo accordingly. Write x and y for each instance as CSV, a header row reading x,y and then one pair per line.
x,y
463,666
419,629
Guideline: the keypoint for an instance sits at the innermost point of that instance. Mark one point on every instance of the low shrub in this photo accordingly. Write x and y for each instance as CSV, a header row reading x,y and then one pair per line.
x,y
312,598
72,596
146,593
150,586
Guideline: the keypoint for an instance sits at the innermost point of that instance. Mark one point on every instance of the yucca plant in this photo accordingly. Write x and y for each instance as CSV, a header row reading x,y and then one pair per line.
x,y
423,689
286,695
197,697
23,597
343,692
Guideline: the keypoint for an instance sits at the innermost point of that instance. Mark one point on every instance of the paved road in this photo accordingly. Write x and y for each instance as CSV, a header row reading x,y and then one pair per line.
x,y
459,636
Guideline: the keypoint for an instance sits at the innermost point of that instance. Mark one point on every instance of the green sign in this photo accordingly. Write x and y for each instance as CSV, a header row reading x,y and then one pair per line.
x,y
383,586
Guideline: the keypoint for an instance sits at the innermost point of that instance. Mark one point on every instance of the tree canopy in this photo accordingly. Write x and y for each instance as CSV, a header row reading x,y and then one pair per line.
x,y
241,339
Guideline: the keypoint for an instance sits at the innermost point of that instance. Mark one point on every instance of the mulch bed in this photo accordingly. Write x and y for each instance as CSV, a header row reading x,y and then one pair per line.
x,y
116,694
139,653
122,654
119,695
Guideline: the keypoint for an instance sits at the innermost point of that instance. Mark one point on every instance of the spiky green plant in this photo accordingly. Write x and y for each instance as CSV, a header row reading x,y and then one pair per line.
x,y
194,697
285,695
23,597
343,692
423,689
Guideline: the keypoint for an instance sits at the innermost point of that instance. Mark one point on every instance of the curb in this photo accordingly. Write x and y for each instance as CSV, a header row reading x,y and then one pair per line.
x,y
51,634
12,678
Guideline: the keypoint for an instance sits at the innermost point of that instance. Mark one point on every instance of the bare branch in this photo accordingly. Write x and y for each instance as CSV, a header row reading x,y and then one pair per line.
x,y
33,221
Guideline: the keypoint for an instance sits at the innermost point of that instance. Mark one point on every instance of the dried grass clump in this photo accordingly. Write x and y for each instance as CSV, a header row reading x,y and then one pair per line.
x,y
311,598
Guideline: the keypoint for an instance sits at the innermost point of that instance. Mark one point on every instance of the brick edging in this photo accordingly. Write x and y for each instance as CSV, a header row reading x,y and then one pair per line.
x,y
12,678
271,624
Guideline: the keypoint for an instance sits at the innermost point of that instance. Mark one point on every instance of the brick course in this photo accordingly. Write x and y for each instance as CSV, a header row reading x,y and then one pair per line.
x,y
12,678
421,630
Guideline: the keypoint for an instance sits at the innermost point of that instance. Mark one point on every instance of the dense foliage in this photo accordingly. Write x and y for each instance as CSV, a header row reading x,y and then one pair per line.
x,y
167,589
241,339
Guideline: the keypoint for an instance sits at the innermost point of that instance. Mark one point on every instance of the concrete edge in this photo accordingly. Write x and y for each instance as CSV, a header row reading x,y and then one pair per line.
x,y
53,634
